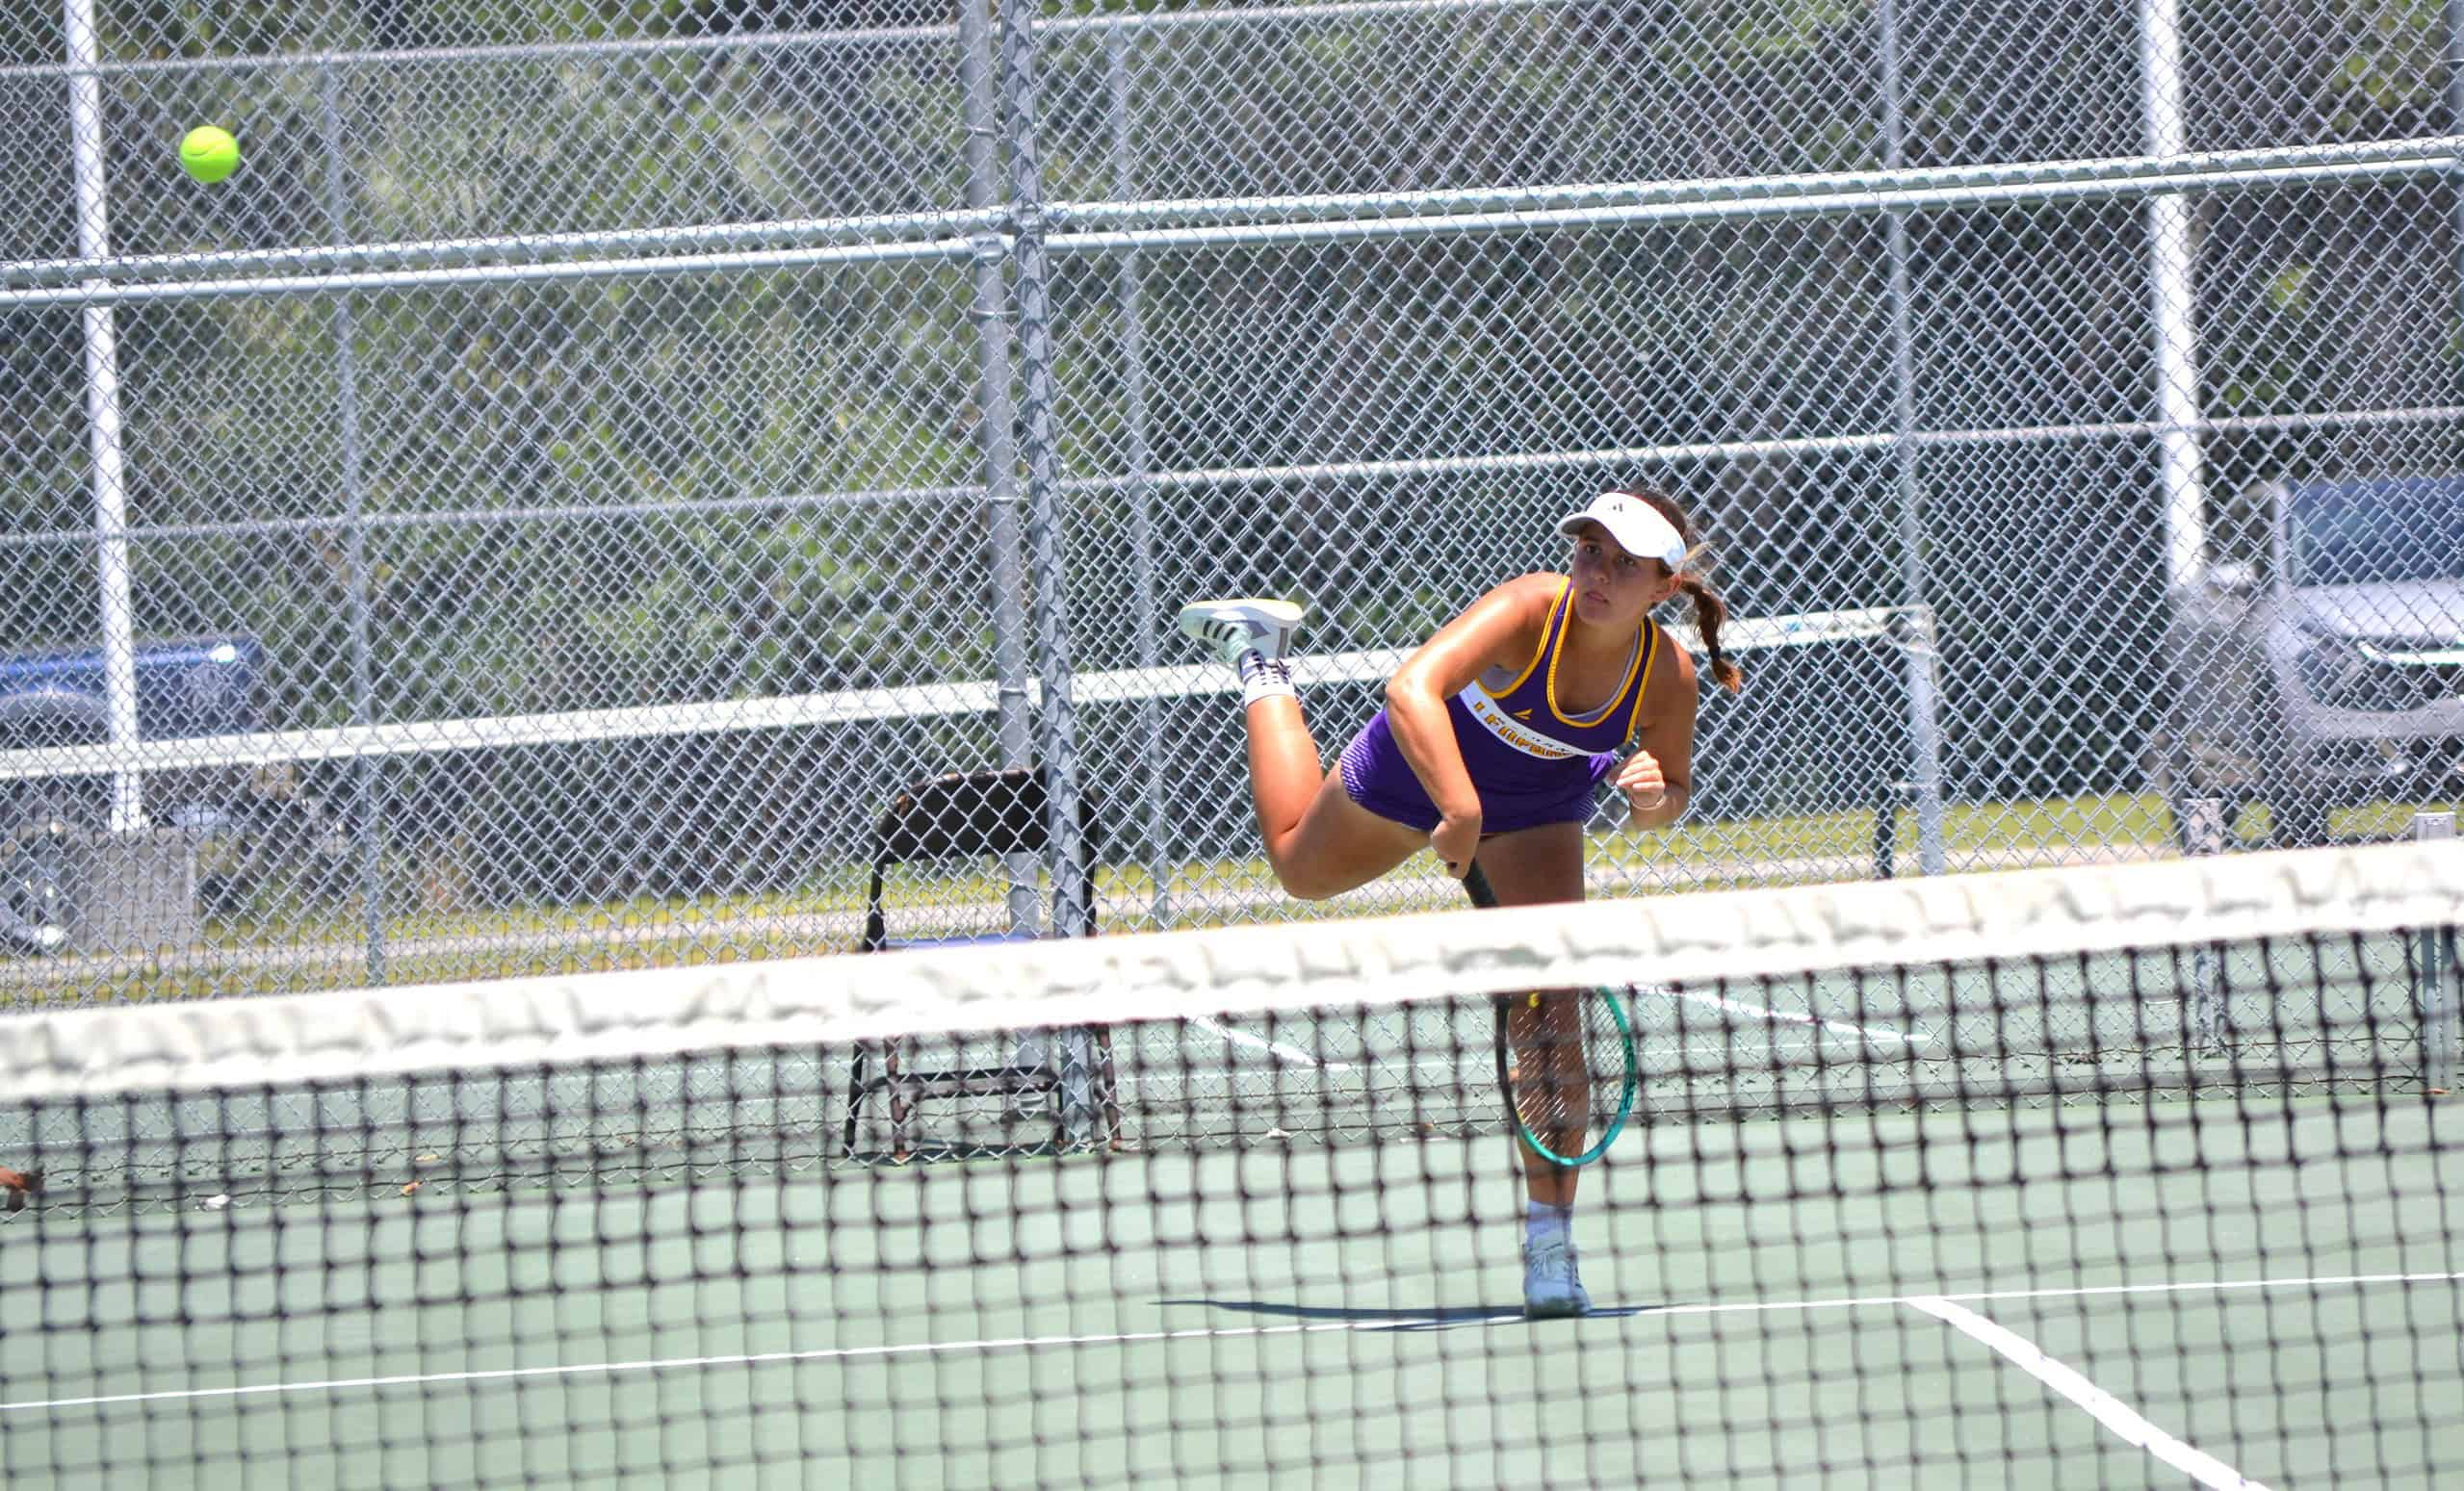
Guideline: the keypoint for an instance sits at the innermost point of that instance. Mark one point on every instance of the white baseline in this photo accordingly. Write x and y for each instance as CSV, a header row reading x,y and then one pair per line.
x,y
1505,1318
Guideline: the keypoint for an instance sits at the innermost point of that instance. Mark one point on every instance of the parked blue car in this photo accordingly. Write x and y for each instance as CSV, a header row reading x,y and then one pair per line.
x,y
185,690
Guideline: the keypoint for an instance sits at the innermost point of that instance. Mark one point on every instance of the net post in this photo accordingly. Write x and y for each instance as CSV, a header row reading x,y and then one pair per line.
x,y
1914,629
1896,798
1082,1126
2434,965
2203,834
1886,832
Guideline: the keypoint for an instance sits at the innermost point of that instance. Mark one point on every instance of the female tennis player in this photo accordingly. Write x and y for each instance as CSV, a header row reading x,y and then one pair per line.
x,y
1494,738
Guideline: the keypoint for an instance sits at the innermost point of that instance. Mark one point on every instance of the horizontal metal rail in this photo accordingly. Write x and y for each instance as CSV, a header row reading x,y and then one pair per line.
x,y
1691,452
1192,226
1131,23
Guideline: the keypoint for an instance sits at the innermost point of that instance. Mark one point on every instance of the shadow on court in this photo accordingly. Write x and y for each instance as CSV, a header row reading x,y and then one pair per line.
x,y
1371,1319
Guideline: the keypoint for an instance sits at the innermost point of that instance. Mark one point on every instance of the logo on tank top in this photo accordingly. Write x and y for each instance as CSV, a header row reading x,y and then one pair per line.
x,y
1508,729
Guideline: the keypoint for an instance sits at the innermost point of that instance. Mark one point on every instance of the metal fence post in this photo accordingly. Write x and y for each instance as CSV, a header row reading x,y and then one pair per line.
x,y
1128,284
2203,832
1056,723
1013,706
1919,655
2435,969
2172,289
2455,113
368,826
115,590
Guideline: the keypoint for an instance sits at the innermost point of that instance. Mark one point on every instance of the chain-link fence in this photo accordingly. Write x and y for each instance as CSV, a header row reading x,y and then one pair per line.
x,y
542,510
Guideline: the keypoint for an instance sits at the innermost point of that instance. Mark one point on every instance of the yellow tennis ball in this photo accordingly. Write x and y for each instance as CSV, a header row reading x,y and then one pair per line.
x,y
209,153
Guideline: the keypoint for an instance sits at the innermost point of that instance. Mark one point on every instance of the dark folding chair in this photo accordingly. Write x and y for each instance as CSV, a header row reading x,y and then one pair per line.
x,y
983,814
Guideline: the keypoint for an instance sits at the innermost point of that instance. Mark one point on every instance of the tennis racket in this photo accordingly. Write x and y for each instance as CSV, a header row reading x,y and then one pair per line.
x,y
1566,1063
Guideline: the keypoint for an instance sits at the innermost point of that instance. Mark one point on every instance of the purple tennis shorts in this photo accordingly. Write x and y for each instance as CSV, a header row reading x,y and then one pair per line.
x,y
1376,776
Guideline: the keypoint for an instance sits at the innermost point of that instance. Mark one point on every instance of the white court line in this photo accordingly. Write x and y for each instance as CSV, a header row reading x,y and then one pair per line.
x,y
2110,1411
1289,1053
1194,1333
1792,1016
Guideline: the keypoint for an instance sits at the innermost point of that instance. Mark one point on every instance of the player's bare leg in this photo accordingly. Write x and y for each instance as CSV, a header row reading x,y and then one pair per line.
x,y
1320,843
1531,867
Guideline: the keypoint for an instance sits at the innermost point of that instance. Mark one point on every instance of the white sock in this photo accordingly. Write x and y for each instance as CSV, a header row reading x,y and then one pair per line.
x,y
1262,679
1544,1222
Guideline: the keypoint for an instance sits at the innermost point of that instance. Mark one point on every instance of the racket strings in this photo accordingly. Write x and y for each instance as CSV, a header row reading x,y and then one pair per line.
x,y
1568,1065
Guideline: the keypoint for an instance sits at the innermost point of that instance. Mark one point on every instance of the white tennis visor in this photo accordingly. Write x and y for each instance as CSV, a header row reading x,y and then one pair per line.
x,y
1636,525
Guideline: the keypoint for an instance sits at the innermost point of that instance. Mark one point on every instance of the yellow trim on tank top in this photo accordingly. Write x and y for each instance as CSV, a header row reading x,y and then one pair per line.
x,y
1633,661
1651,639
1565,589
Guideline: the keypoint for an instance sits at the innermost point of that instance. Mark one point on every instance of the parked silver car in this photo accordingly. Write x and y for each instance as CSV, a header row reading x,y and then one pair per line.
x,y
2319,659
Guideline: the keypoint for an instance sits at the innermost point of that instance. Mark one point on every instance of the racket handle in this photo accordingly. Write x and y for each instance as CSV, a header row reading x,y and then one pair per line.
x,y
1475,884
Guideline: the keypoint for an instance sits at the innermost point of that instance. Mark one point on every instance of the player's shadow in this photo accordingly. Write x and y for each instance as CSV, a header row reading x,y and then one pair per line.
x,y
1366,1318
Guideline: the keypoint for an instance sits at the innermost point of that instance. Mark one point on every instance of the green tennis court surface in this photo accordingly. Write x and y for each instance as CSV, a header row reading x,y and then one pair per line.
x,y
2126,1178
1002,1324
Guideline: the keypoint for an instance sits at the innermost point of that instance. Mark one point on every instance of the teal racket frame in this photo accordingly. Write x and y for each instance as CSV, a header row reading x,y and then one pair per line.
x,y
1476,883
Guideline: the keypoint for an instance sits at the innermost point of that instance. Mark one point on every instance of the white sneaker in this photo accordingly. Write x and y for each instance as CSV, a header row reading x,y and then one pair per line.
x,y
1243,625
1551,1288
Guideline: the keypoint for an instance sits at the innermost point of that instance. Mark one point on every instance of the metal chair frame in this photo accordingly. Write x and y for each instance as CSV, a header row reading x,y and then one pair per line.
x,y
974,815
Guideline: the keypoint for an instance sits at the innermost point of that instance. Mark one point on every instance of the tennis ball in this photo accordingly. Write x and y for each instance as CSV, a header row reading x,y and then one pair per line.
x,y
209,153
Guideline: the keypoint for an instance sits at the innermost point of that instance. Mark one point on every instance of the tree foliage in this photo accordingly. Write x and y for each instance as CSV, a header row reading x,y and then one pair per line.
x,y
691,485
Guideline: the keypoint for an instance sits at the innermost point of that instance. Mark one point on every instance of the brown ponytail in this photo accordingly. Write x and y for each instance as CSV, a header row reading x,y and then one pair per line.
x,y
1711,611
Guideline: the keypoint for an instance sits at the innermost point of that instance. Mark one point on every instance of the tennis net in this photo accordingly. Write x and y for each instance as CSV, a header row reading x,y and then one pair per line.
x,y
2130,1175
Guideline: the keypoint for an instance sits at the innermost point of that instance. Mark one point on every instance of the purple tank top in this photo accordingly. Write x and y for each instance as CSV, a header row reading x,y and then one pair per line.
x,y
1519,739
